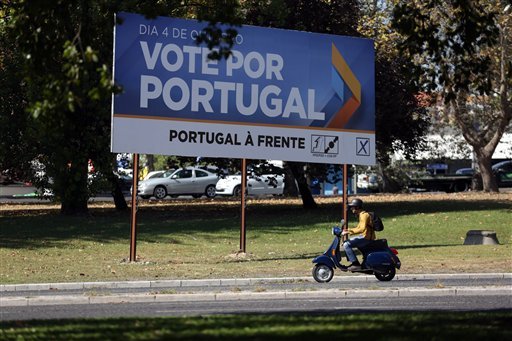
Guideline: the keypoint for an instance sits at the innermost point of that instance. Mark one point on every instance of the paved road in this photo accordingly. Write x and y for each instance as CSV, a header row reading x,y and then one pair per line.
x,y
221,296
323,304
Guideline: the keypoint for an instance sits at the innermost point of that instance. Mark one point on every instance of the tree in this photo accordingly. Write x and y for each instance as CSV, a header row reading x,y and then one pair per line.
x,y
66,101
401,118
67,52
15,149
462,51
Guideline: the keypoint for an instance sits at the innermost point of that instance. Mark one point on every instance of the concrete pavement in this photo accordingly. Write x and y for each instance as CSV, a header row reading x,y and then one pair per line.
x,y
243,289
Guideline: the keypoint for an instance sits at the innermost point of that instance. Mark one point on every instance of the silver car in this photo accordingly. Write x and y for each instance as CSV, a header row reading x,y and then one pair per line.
x,y
183,181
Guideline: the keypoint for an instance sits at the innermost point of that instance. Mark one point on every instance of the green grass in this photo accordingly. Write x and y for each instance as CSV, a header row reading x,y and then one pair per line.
x,y
198,239
381,326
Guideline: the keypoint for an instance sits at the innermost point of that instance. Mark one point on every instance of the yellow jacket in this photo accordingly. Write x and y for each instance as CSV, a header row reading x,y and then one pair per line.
x,y
364,227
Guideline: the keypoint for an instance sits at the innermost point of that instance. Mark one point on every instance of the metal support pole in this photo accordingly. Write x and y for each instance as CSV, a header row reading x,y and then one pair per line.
x,y
345,192
133,222
345,198
242,203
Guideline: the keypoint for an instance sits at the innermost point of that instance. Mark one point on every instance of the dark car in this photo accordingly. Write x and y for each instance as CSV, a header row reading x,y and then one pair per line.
x,y
501,170
503,173
465,171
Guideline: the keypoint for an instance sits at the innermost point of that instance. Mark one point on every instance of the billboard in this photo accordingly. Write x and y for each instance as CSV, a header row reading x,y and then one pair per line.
x,y
283,95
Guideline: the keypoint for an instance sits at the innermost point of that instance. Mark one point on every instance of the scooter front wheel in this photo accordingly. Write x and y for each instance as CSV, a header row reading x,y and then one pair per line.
x,y
322,273
386,276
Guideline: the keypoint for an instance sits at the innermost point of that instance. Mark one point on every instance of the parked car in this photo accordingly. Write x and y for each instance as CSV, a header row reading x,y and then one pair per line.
x,y
465,171
368,181
501,170
503,173
161,173
153,174
267,180
184,181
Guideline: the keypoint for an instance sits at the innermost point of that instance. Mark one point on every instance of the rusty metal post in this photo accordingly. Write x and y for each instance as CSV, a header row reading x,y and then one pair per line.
x,y
345,198
133,221
345,192
242,203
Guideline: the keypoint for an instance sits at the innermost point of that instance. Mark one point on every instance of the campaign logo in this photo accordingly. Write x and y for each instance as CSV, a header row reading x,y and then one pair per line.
x,y
324,144
343,104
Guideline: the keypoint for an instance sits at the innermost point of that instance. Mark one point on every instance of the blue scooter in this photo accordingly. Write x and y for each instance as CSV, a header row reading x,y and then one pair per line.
x,y
378,259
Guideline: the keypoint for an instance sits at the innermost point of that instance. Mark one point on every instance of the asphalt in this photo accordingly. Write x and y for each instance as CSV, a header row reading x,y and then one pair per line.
x,y
239,289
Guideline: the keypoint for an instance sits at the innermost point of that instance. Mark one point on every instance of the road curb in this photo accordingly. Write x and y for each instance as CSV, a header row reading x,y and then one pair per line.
x,y
247,296
147,284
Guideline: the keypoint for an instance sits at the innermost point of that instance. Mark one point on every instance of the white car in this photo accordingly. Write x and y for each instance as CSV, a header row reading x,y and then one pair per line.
x,y
264,184
183,181
368,181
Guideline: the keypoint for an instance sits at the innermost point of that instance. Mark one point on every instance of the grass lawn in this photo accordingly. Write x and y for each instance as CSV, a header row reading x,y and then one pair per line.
x,y
381,326
199,239
185,239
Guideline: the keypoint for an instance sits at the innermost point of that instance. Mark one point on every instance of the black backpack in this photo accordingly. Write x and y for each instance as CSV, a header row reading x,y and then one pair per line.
x,y
377,222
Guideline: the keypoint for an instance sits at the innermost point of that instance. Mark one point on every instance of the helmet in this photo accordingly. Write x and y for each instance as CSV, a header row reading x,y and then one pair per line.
x,y
356,203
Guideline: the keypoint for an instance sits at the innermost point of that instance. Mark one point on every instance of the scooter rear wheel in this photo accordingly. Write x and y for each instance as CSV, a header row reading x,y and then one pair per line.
x,y
386,276
322,273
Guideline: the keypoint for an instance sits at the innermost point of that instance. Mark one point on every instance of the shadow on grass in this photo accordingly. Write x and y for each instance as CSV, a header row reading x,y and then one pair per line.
x,y
491,325
358,253
40,228
400,208
290,257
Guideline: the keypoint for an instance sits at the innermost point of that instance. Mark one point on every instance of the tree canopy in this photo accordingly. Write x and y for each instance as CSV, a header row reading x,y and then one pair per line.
x,y
55,59
462,51
64,53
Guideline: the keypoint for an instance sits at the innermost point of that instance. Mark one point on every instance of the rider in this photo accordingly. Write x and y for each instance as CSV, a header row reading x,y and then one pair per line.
x,y
364,230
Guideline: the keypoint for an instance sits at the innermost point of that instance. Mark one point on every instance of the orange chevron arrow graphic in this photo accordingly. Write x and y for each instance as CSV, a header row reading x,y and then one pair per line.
x,y
341,118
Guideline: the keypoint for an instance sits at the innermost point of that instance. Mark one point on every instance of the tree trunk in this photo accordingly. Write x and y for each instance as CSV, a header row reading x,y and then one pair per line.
x,y
74,207
73,189
117,192
389,184
118,195
151,162
483,141
489,183
290,188
297,168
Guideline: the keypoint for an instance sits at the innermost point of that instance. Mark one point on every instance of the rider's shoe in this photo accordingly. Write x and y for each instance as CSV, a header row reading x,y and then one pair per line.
x,y
354,266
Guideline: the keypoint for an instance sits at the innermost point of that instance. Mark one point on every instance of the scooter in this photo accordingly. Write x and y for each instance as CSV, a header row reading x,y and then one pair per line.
x,y
378,259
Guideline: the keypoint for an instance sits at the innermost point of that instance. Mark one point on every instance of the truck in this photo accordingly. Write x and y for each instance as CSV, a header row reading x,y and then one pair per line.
x,y
436,180
441,182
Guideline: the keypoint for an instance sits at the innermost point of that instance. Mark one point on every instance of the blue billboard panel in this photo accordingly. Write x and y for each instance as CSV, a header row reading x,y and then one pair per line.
x,y
312,95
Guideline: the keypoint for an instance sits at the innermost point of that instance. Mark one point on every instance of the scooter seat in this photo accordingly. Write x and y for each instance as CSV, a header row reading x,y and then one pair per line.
x,y
380,243
375,245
